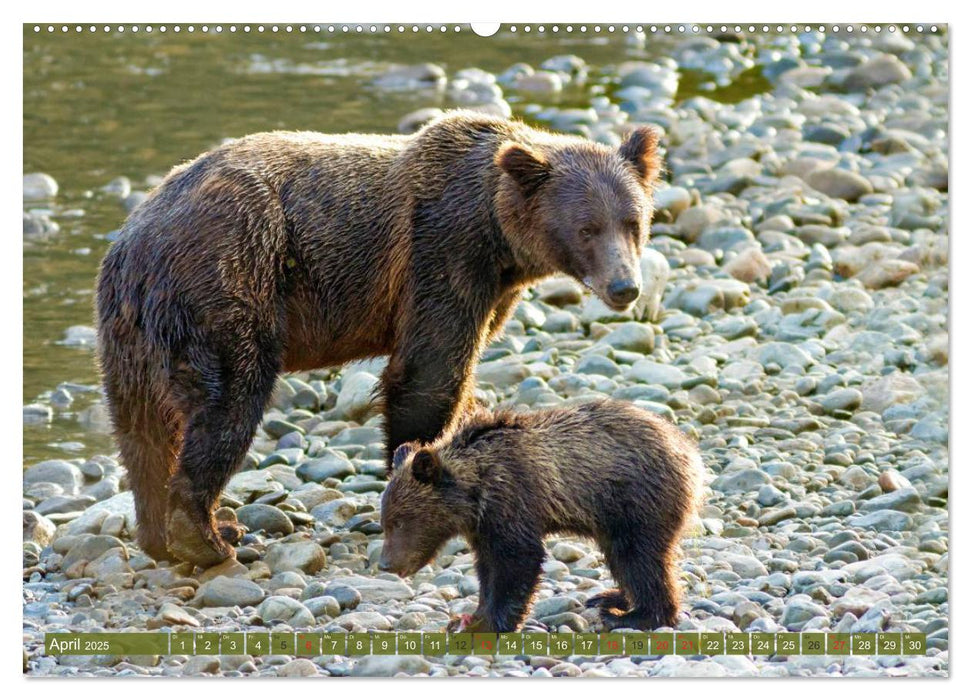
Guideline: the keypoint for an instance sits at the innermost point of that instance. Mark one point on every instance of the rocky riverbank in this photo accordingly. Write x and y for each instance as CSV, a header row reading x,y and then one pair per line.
x,y
794,322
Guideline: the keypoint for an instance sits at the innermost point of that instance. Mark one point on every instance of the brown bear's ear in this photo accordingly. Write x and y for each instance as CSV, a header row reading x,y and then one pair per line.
x,y
640,150
527,167
426,466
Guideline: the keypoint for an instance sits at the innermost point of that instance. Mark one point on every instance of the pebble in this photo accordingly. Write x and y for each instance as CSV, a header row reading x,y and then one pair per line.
x,y
223,591
286,610
308,557
388,666
259,516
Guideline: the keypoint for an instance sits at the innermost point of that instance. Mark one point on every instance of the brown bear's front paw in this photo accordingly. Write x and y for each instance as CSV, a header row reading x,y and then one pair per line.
x,y
194,541
468,623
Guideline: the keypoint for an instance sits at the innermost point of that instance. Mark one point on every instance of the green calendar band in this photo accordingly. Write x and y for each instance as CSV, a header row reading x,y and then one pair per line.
x,y
557,644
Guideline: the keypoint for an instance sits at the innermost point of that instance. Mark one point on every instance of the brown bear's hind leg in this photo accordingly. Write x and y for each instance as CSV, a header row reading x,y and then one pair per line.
x,y
148,429
149,451
217,436
641,565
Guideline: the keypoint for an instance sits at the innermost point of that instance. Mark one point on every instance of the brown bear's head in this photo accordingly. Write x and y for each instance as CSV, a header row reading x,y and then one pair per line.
x,y
583,209
420,509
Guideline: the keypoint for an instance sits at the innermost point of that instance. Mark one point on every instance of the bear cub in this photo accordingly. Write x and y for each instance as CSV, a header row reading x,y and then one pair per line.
x,y
607,470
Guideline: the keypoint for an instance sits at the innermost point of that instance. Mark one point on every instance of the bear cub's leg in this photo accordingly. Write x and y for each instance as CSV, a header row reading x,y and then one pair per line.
x,y
648,596
508,570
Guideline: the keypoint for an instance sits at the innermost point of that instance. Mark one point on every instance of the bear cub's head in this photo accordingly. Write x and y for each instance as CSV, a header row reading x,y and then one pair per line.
x,y
421,509
583,209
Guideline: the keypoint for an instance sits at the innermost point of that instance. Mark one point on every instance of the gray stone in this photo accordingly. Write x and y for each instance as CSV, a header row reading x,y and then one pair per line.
x,y
346,596
502,373
37,528
842,184
891,520
328,465
284,609
323,606
356,398
413,121
906,500
597,364
633,337
799,610
91,519
260,516
223,591
881,70
201,664
744,480
55,471
113,561
298,668
89,549
566,552
781,354
841,400
374,590
39,186
37,414
387,666
308,557
335,512
651,372
744,565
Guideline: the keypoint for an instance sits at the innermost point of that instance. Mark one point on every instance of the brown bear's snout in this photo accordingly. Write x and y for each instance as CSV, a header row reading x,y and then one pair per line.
x,y
622,292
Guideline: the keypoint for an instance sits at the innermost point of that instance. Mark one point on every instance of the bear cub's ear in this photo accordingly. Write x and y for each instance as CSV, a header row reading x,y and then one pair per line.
x,y
401,454
640,150
426,466
527,167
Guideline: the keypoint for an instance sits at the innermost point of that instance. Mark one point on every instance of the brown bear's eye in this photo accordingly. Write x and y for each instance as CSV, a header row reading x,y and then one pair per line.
x,y
588,232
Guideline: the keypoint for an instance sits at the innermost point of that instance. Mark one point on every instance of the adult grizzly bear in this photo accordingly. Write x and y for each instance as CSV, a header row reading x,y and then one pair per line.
x,y
606,469
292,251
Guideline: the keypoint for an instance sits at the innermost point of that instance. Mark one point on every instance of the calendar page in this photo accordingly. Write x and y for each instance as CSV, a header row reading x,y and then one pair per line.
x,y
518,350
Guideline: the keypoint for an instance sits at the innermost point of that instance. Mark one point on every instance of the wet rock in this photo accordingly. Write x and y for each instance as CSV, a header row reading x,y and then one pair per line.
x,y
39,186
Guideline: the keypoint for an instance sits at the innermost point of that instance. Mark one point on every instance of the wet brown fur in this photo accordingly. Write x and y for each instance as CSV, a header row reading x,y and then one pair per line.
x,y
290,251
606,470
